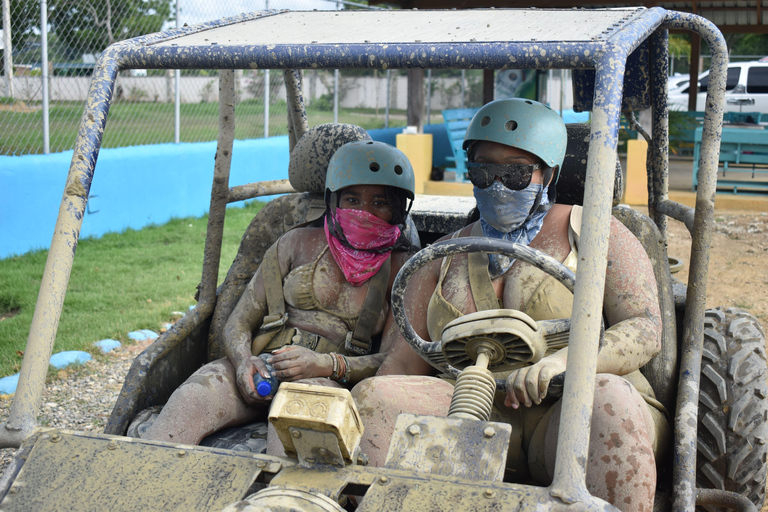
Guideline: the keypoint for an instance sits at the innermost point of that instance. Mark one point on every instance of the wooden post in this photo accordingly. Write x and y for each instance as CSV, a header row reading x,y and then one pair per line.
x,y
488,76
416,98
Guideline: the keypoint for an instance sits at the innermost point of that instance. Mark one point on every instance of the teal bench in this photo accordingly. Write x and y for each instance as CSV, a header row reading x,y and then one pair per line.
x,y
683,124
456,122
743,159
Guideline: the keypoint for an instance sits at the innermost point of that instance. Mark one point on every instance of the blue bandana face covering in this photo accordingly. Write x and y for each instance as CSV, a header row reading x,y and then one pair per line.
x,y
505,209
503,214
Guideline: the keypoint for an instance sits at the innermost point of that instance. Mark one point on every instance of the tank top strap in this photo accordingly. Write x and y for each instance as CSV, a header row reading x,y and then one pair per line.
x,y
479,279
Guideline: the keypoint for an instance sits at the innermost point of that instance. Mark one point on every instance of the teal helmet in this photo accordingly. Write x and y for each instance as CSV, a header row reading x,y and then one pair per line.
x,y
370,163
523,124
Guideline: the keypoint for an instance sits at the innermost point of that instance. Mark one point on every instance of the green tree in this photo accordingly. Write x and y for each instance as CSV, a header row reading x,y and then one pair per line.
x,y
25,16
92,25
679,45
749,44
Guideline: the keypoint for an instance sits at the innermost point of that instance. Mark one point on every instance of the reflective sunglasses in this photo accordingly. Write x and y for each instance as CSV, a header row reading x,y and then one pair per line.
x,y
513,176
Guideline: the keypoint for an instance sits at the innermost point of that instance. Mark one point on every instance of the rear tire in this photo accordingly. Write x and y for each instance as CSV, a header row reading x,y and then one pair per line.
x,y
733,410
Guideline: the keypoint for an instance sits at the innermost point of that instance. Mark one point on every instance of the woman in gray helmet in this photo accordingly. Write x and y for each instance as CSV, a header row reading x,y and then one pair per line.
x,y
515,150
319,297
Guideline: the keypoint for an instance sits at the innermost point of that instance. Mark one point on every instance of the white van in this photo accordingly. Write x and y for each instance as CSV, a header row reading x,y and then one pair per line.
x,y
746,89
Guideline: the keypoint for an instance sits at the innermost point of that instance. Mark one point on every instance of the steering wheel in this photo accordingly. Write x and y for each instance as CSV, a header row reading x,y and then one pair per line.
x,y
432,352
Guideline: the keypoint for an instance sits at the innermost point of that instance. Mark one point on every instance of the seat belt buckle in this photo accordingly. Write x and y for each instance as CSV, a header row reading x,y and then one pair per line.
x,y
357,347
274,322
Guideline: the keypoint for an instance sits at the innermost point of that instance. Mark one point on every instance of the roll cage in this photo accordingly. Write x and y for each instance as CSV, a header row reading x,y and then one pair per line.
x,y
620,62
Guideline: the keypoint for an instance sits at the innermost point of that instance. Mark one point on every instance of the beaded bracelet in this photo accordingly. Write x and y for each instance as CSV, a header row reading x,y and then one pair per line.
x,y
340,368
346,369
335,367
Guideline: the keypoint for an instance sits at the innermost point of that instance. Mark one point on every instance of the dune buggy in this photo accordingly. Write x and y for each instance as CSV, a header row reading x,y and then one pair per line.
x,y
710,374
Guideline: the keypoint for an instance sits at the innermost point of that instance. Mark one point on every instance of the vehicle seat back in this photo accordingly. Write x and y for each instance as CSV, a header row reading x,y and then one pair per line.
x,y
661,371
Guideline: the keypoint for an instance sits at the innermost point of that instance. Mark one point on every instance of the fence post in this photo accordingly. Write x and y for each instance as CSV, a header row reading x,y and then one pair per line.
x,y
463,87
429,95
177,93
7,48
335,95
389,98
266,103
46,103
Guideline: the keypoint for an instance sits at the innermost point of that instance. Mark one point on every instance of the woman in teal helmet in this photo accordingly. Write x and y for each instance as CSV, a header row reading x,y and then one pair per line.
x,y
515,150
317,302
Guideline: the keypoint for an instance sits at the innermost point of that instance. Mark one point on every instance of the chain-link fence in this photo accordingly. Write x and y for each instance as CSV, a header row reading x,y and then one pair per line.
x,y
41,104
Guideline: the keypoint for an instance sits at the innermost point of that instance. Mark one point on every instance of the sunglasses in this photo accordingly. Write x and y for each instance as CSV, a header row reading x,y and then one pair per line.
x,y
513,176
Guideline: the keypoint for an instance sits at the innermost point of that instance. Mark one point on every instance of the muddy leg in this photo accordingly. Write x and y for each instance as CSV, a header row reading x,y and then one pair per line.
x,y
380,399
207,402
621,468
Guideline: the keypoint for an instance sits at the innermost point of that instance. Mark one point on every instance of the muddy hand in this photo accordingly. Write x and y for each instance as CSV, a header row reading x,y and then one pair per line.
x,y
245,372
528,386
293,363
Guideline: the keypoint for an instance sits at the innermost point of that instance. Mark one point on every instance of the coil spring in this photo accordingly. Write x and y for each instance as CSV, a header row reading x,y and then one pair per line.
x,y
473,394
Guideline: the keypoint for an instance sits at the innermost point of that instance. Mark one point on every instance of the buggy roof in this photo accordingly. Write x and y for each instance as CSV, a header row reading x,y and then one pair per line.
x,y
479,38
413,26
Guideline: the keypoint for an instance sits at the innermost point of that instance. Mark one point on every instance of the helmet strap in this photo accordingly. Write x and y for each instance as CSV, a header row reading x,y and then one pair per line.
x,y
552,190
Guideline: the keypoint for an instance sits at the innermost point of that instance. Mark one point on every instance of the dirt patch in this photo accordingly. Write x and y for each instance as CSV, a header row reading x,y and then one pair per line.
x,y
738,272
9,314
19,106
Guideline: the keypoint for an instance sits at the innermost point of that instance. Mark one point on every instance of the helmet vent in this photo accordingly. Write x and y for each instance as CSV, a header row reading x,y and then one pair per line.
x,y
485,121
374,167
369,142
511,126
398,170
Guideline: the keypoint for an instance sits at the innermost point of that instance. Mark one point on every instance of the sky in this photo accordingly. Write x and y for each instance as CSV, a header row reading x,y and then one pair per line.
x,y
198,11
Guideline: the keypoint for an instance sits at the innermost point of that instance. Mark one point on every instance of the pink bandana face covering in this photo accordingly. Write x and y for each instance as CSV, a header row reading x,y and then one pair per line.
x,y
364,231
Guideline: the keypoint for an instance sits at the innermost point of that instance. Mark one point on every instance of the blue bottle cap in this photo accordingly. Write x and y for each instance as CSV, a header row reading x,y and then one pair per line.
x,y
264,388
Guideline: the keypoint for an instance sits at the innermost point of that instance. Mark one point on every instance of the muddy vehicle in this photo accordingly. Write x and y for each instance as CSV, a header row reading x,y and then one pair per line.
x,y
710,373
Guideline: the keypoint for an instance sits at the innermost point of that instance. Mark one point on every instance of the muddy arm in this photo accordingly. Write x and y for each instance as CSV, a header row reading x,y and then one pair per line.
x,y
277,217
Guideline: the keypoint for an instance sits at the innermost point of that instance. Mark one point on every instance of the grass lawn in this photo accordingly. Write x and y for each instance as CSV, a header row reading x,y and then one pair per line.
x,y
120,282
131,124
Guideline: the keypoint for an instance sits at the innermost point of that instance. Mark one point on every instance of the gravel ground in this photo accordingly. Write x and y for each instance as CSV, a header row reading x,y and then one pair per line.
x,y
80,398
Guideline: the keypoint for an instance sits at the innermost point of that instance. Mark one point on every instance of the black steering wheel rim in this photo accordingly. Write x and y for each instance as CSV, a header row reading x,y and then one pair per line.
x,y
432,351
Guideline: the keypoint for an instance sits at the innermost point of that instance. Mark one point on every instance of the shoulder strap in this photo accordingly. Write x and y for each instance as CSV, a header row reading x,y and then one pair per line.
x,y
359,341
574,227
315,212
479,278
273,288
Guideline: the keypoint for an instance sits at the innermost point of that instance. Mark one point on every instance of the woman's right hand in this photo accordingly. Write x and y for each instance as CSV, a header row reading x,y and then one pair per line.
x,y
246,369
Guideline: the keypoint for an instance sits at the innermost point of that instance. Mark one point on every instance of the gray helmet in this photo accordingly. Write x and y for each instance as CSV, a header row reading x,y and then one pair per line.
x,y
370,163
312,153
524,124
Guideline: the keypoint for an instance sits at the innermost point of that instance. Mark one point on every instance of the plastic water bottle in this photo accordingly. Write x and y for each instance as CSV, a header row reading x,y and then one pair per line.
x,y
266,387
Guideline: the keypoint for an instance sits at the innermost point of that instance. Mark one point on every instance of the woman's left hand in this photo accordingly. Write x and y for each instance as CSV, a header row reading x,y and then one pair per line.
x,y
529,385
293,363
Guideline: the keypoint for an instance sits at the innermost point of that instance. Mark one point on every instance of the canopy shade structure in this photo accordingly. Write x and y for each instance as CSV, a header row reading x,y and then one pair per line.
x,y
495,38
740,16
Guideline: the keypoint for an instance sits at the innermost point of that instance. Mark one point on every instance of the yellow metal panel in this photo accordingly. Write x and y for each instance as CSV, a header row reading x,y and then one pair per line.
x,y
418,148
447,188
449,446
318,408
419,495
70,472
636,189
